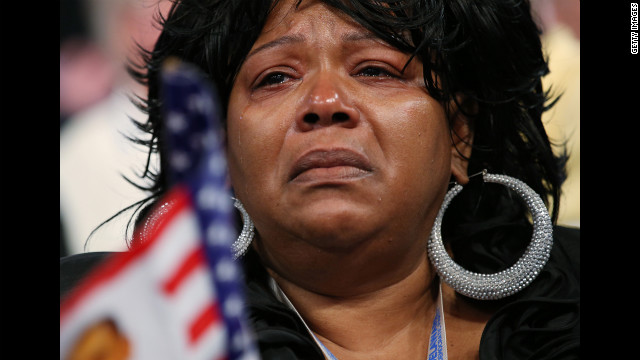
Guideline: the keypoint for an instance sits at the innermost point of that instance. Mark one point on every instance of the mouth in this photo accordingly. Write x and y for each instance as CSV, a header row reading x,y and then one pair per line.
x,y
330,166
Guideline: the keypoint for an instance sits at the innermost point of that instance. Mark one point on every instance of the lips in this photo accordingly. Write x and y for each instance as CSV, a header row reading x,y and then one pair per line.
x,y
329,165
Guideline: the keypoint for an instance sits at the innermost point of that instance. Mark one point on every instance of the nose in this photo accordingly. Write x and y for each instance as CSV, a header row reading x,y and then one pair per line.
x,y
327,103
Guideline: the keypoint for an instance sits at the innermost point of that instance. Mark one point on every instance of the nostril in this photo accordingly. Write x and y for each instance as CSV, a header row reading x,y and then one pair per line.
x,y
311,118
340,117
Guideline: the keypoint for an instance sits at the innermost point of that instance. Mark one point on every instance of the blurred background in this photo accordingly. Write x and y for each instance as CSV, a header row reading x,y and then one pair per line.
x,y
560,24
97,40
98,37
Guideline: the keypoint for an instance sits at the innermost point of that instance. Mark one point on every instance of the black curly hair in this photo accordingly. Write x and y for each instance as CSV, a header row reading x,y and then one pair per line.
x,y
487,51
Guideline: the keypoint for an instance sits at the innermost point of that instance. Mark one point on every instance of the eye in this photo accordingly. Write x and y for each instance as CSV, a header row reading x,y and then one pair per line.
x,y
374,71
377,70
271,79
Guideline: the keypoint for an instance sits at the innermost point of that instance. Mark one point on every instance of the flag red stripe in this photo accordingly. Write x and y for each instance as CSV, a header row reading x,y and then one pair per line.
x,y
118,262
209,316
189,263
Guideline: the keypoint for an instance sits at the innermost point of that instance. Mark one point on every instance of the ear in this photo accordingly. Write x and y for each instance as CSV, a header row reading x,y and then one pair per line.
x,y
461,139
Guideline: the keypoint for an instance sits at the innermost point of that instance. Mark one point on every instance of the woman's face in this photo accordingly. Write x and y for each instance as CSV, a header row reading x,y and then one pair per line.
x,y
330,145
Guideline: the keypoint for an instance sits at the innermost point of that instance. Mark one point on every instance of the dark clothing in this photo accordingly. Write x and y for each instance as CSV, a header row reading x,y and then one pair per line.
x,y
542,322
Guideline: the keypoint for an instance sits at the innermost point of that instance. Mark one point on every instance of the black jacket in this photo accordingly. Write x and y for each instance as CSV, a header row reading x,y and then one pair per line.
x,y
542,322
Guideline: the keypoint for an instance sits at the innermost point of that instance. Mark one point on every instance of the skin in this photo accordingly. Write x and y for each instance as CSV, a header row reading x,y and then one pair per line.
x,y
345,240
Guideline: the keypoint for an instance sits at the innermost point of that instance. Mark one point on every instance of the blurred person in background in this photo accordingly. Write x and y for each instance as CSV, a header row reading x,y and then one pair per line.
x,y
86,76
97,109
560,23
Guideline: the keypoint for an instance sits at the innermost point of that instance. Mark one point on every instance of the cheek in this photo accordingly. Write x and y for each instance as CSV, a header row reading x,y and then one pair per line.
x,y
422,155
417,135
254,142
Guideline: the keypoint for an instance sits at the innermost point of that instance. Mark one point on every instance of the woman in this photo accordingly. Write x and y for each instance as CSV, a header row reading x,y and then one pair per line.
x,y
347,122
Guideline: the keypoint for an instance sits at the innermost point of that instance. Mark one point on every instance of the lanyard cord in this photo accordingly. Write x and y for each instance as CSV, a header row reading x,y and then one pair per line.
x,y
437,339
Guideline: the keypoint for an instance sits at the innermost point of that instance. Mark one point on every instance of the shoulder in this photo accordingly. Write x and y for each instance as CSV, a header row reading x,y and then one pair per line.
x,y
549,307
566,249
74,268
279,332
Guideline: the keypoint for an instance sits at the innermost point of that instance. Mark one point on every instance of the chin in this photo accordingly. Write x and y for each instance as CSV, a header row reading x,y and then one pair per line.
x,y
338,225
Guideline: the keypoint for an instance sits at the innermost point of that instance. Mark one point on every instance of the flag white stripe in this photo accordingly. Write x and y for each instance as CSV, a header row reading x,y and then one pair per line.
x,y
167,255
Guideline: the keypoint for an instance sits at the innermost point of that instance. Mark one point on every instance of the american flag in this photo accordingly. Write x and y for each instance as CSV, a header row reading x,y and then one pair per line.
x,y
178,295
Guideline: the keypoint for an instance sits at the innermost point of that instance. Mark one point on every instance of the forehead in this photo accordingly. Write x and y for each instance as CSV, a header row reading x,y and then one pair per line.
x,y
296,19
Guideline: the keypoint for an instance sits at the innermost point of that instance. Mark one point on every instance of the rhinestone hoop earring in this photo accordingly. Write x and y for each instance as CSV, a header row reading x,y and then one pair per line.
x,y
509,281
240,246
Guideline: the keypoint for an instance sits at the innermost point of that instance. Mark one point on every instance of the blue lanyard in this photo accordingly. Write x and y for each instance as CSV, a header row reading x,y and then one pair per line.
x,y
437,339
326,351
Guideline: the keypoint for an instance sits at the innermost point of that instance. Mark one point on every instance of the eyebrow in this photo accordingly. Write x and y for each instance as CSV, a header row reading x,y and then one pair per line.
x,y
299,38
359,36
284,40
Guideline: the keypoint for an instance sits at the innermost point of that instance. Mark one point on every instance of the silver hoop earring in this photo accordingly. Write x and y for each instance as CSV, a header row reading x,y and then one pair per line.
x,y
241,245
509,281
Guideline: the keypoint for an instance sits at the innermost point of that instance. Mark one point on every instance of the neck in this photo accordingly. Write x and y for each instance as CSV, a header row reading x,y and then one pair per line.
x,y
383,322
